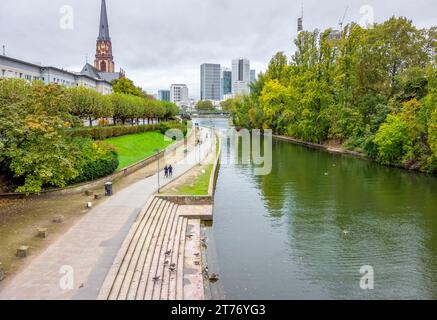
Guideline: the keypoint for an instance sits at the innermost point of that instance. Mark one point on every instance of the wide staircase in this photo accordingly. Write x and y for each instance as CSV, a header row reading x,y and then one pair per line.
x,y
159,260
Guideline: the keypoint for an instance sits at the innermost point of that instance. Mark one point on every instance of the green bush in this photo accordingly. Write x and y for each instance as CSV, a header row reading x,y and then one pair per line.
x,y
95,160
166,126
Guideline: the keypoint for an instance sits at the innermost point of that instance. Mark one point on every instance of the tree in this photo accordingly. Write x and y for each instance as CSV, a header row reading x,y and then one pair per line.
x,y
88,104
206,105
127,86
121,106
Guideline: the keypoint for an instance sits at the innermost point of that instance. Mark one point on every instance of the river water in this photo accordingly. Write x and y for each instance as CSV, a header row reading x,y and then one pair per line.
x,y
306,230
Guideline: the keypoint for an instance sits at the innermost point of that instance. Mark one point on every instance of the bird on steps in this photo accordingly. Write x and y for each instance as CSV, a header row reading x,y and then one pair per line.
x,y
172,267
214,277
168,253
156,279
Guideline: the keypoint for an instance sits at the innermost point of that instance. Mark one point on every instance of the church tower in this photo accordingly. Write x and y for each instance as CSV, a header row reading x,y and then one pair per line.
x,y
104,60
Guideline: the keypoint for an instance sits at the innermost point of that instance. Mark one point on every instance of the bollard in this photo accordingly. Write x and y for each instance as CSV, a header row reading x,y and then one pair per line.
x,y
58,219
108,189
2,272
23,251
42,233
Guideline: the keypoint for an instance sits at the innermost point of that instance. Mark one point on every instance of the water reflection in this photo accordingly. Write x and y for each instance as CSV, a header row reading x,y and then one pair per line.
x,y
305,230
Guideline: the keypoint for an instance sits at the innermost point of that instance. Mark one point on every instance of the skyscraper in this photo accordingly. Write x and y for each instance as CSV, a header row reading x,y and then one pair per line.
x,y
252,76
226,81
104,59
164,95
240,76
210,87
300,22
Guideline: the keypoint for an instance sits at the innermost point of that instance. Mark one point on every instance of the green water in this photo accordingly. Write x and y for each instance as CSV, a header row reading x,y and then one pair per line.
x,y
282,236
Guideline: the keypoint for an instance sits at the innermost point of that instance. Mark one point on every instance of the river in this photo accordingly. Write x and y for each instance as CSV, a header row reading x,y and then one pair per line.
x,y
306,230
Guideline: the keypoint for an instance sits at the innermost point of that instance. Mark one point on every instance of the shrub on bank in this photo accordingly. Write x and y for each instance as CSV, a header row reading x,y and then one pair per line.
x,y
174,125
102,133
96,160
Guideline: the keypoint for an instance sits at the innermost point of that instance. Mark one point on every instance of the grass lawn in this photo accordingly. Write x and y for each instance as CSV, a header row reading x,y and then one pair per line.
x,y
200,186
136,147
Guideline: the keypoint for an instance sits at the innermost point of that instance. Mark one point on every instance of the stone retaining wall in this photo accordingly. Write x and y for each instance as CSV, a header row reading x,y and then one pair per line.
x,y
187,200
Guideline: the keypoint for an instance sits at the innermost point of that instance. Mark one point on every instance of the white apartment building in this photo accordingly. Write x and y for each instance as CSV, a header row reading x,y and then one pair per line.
x,y
14,68
179,94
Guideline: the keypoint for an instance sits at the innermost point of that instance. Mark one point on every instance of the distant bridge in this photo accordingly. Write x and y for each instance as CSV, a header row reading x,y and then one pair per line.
x,y
209,114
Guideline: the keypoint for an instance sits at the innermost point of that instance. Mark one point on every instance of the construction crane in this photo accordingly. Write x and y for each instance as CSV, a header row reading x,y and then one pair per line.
x,y
341,22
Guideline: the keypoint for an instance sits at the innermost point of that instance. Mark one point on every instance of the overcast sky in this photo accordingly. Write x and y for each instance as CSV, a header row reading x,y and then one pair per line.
x,y
164,41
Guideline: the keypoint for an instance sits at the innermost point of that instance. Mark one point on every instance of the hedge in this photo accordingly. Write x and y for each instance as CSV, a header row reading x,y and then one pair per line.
x,y
99,168
102,133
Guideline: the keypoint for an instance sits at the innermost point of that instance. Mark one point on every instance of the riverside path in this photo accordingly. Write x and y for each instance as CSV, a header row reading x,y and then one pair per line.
x,y
76,265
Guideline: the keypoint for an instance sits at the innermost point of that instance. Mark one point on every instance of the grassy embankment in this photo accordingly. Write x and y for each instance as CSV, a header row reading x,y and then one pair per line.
x,y
136,147
196,182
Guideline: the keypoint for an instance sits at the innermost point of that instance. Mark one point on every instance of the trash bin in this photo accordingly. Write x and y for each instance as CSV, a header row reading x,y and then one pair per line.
x,y
108,189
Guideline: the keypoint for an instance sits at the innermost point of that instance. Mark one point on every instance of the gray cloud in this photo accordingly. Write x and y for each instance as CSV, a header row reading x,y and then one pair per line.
x,y
164,42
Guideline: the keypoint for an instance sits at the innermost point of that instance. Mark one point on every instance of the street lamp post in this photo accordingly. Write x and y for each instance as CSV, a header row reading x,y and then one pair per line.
x,y
157,151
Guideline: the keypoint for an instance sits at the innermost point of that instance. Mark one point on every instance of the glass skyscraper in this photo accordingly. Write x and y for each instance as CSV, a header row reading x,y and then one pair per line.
x,y
210,82
226,81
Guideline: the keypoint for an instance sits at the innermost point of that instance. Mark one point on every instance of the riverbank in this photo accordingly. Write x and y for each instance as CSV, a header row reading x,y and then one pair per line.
x,y
328,148
338,149
20,217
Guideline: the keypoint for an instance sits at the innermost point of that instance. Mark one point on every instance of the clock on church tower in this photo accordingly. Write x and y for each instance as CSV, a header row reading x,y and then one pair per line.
x,y
104,59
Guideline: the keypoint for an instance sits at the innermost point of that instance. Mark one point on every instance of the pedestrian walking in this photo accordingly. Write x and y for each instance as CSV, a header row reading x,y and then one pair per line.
x,y
170,171
166,171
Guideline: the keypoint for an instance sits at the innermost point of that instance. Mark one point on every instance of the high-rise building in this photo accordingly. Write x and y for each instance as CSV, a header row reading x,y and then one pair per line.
x,y
226,82
164,95
179,93
300,22
210,87
252,76
240,76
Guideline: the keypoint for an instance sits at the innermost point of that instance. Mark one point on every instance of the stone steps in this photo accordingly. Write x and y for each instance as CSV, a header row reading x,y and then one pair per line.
x,y
151,263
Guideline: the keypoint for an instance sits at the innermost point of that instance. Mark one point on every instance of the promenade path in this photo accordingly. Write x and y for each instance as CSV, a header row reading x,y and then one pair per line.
x,y
76,265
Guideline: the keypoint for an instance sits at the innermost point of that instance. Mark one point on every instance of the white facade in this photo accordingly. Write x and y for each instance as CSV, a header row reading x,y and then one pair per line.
x,y
13,68
240,76
179,94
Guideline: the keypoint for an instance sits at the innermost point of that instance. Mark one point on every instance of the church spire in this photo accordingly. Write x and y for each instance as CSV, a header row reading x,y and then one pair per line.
x,y
104,25
104,60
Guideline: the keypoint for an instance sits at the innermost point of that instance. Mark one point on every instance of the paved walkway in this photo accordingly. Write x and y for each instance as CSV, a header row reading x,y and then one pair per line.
x,y
76,265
